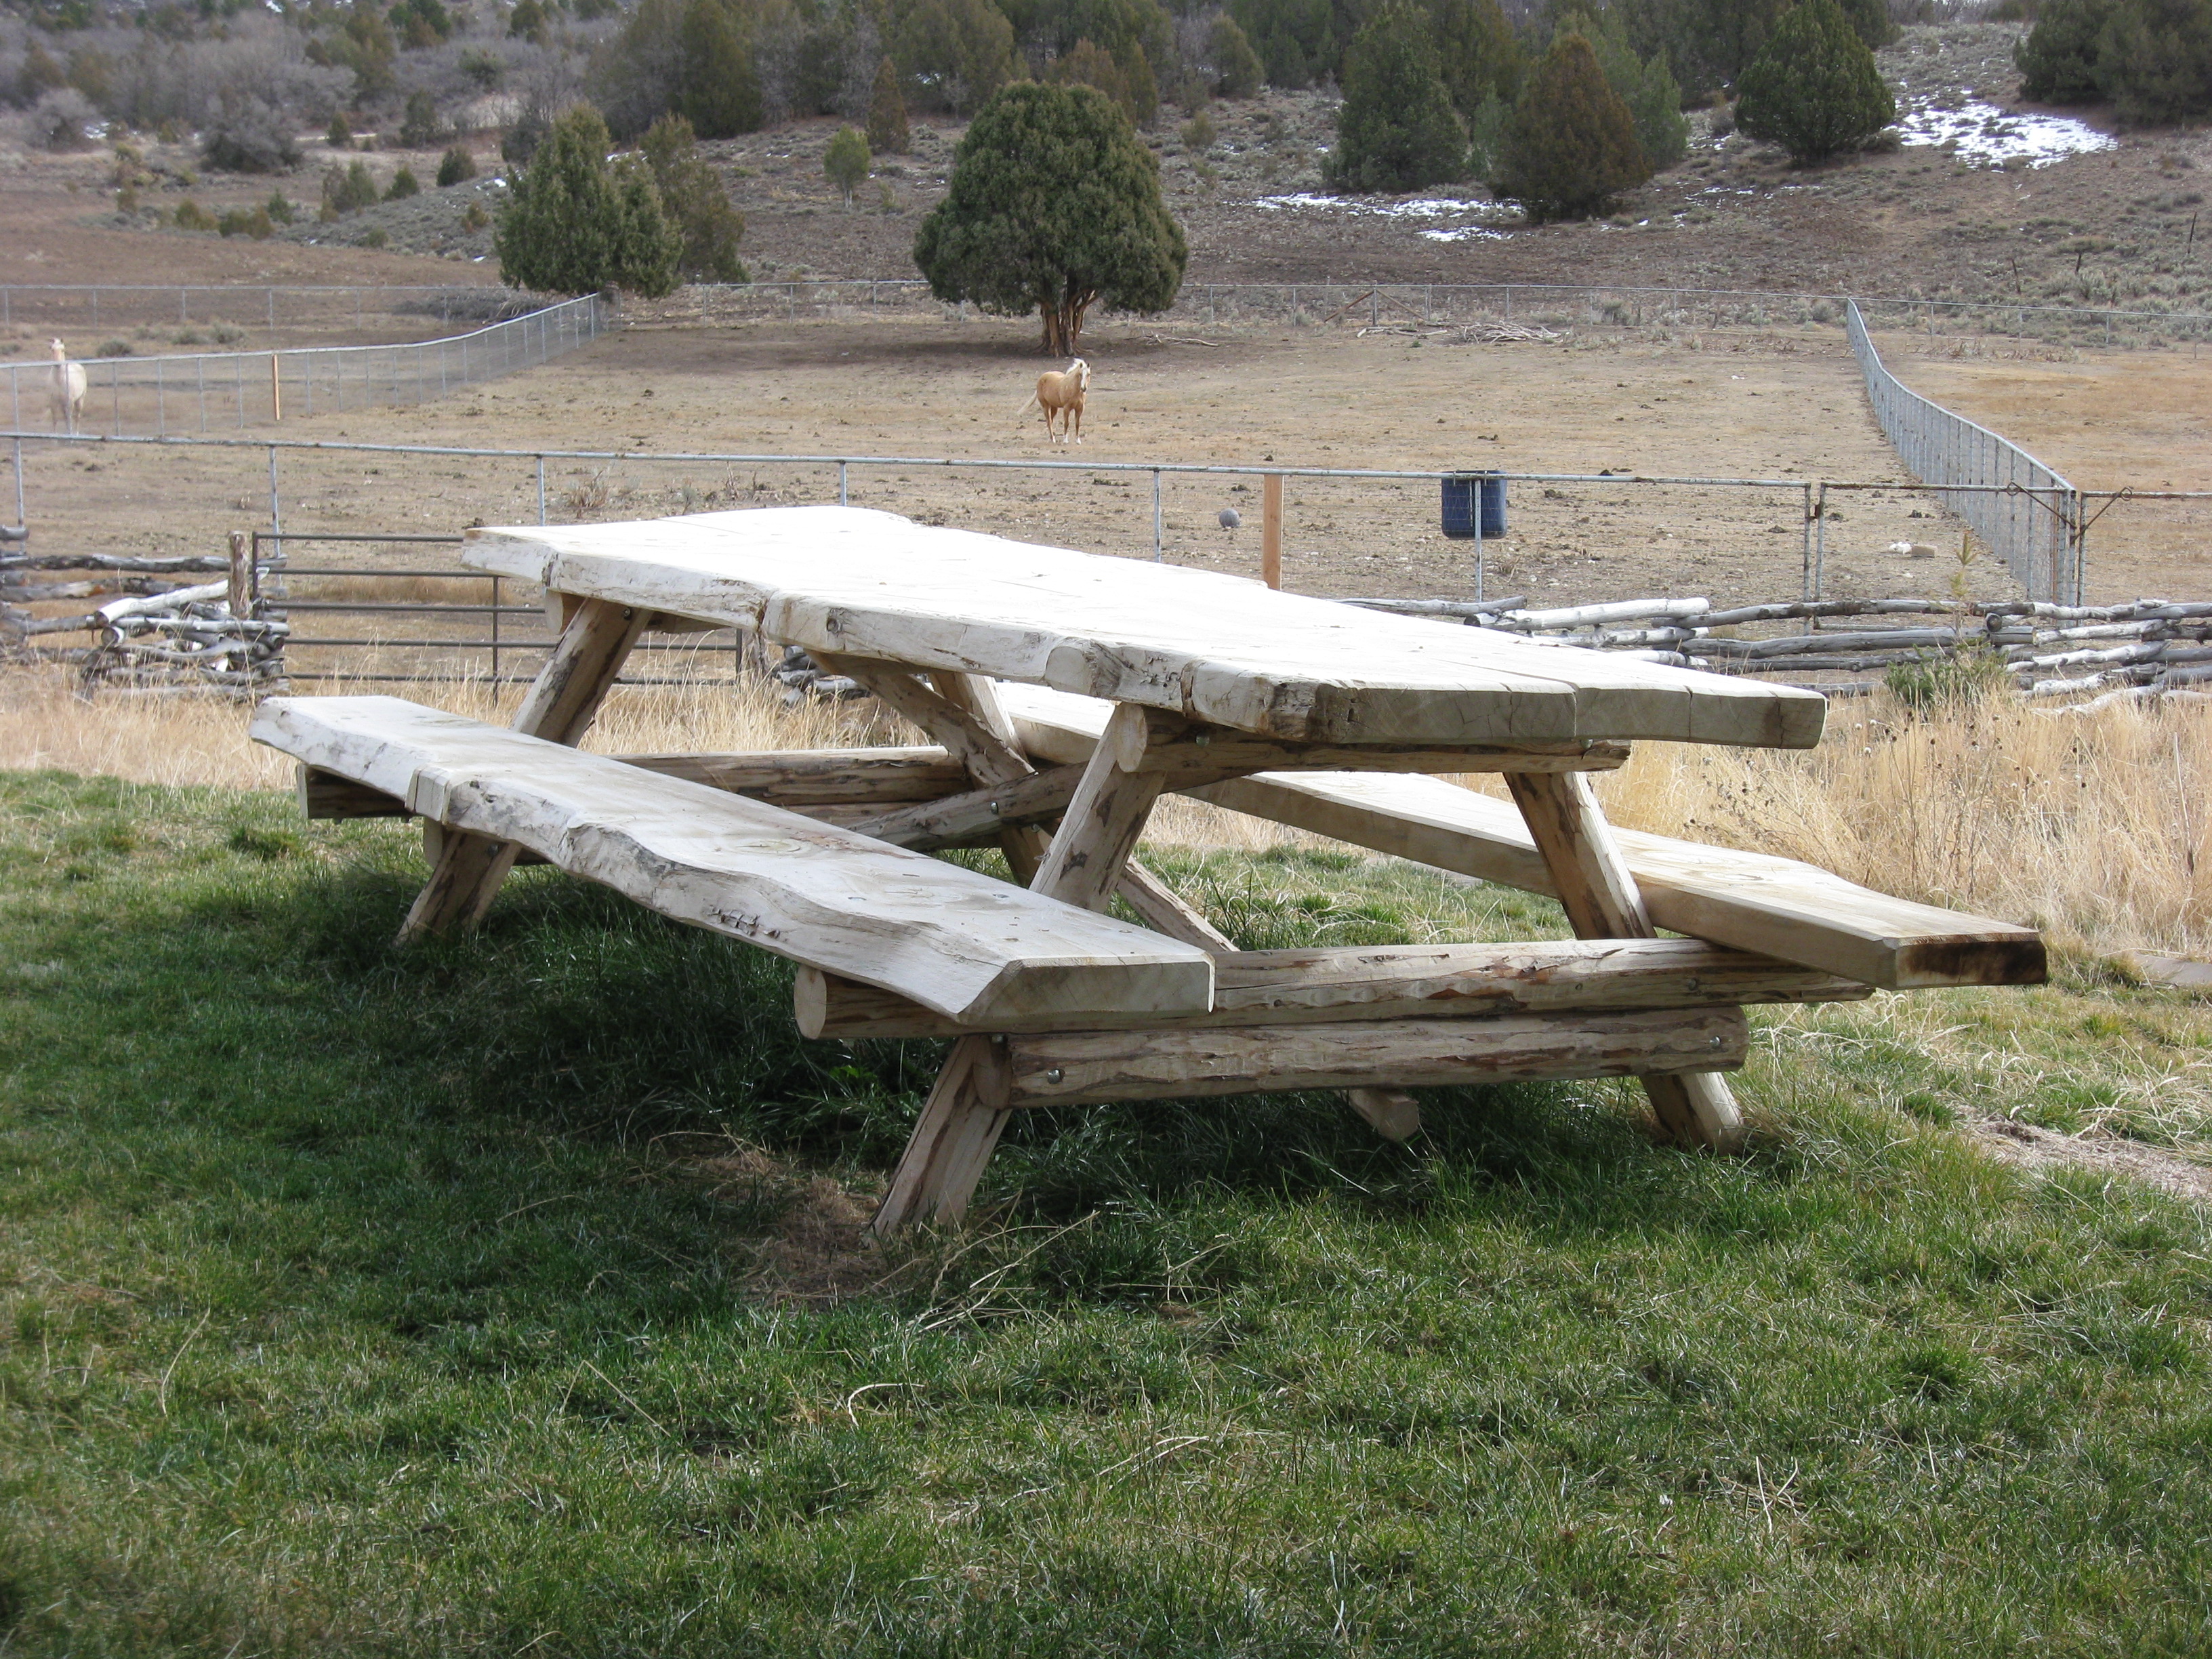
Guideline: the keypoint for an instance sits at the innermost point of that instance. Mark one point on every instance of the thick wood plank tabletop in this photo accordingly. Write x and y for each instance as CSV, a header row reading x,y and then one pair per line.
x,y
861,583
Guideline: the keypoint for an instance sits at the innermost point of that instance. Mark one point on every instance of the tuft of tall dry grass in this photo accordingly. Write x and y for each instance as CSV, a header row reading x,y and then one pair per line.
x,y
2096,828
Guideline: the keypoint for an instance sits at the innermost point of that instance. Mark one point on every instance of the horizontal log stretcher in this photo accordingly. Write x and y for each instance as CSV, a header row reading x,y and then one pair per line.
x,y
1256,702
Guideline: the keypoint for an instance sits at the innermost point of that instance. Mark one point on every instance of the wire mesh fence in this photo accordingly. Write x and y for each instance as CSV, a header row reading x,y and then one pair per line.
x,y
1467,304
2027,513
210,391
62,306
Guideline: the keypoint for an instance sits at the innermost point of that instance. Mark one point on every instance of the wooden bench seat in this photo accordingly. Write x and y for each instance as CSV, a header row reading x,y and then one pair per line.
x,y
1749,901
960,944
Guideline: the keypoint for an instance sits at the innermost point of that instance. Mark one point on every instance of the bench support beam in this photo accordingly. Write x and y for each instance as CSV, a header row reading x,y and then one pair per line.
x,y
559,707
962,1119
1602,902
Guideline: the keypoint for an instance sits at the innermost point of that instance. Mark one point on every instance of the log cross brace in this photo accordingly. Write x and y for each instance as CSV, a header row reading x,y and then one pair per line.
x,y
1602,901
962,1119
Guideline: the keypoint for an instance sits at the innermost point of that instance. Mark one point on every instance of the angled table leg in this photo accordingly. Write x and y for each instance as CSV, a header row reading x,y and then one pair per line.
x,y
1602,902
559,707
961,1121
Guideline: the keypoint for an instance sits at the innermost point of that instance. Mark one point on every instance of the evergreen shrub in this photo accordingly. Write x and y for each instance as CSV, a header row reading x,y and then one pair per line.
x,y
1396,129
1814,89
572,224
1570,147
1054,206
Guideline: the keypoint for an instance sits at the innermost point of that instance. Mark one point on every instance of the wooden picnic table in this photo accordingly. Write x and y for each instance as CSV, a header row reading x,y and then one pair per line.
x,y
1064,694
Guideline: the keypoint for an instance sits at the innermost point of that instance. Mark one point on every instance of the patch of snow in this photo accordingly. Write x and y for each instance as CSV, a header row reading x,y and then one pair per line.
x,y
1417,207
1414,209
1984,135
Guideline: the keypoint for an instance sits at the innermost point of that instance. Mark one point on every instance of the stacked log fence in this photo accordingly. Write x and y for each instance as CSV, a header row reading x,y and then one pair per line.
x,y
2147,648
164,629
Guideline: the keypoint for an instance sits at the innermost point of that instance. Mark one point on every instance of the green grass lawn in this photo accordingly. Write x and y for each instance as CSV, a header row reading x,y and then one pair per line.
x,y
501,1296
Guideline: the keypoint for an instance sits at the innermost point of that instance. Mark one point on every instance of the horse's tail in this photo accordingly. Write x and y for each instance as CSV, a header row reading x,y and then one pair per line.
x,y
1025,408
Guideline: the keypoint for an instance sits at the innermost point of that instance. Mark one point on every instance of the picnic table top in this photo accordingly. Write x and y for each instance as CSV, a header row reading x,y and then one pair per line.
x,y
1220,648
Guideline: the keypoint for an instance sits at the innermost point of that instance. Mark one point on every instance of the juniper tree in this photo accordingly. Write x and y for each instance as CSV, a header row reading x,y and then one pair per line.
x,y
572,224
1569,147
692,196
1814,88
1396,129
1054,207
1237,71
845,162
887,131
718,91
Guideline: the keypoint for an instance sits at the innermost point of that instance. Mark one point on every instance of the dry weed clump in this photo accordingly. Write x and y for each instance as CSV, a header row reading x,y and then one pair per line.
x,y
2095,827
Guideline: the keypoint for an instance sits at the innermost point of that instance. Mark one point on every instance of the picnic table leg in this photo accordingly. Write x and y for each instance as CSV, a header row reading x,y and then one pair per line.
x,y
961,1121
978,694
1602,902
559,707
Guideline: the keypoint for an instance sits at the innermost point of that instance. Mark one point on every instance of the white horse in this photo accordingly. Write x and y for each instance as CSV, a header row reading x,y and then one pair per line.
x,y
66,395
1061,394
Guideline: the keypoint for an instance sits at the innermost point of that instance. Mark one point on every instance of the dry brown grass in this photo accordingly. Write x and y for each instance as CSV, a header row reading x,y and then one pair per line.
x,y
2097,828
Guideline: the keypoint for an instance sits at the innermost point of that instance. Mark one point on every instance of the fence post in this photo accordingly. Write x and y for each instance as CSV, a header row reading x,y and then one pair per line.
x,y
1271,529
276,503
275,393
541,489
494,605
19,484
272,307
844,494
1156,515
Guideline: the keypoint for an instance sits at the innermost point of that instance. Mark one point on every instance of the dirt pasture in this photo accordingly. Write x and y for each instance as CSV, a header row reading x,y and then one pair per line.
x,y
1781,406
2107,420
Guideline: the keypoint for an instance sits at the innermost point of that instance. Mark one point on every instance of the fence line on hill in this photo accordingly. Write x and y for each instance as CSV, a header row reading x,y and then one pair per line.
x,y
154,397
1443,304
2032,520
268,305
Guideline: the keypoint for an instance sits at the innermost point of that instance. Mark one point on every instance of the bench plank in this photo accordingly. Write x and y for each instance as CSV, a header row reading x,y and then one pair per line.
x,y
1751,901
854,582
955,941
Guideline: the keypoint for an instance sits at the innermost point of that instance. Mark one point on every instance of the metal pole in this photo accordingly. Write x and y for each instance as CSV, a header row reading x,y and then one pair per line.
x,y
844,495
1478,539
1807,537
494,608
541,489
1819,548
276,503
19,483
1156,515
